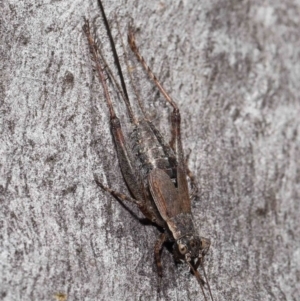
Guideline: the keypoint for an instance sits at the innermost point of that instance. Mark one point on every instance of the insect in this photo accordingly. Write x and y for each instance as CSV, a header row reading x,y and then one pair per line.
x,y
155,171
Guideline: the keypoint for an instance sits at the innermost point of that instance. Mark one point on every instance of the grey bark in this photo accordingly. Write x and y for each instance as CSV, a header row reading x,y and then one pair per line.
x,y
233,68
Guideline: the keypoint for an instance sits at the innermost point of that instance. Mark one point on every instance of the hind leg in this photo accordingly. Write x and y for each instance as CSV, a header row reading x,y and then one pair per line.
x,y
127,164
176,143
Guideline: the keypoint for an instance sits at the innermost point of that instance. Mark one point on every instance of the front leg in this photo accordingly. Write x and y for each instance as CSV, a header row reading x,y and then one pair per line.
x,y
157,252
157,256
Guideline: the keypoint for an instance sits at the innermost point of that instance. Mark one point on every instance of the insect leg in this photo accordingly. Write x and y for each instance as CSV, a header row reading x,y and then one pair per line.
x,y
122,197
168,151
131,175
176,143
134,48
157,252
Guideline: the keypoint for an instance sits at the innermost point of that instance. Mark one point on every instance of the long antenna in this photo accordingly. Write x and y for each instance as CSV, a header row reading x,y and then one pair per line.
x,y
198,277
202,266
113,47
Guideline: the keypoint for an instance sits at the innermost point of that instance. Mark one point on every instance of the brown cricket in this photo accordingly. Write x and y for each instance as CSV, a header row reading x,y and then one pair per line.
x,y
155,171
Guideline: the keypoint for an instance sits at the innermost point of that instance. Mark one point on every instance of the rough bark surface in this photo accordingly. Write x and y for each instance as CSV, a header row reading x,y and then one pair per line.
x,y
233,68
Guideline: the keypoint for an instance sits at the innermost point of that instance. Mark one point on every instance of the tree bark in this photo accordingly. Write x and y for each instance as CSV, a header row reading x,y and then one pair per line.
x,y
233,68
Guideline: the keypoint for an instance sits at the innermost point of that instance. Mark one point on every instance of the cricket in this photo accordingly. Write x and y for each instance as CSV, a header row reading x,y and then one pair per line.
x,y
155,171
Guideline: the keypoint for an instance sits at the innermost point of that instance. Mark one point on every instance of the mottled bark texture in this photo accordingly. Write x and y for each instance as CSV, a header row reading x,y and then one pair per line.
x,y
233,68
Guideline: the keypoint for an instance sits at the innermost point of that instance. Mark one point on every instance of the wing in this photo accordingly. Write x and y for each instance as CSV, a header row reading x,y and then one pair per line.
x,y
165,194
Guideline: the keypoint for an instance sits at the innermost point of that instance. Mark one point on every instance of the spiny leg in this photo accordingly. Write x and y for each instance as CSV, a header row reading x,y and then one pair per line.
x,y
168,151
129,170
176,114
112,77
97,56
137,95
122,197
157,256
176,143
154,129
134,48
115,54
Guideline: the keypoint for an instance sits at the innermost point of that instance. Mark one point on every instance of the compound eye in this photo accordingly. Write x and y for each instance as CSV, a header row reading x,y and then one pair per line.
x,y
182,249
